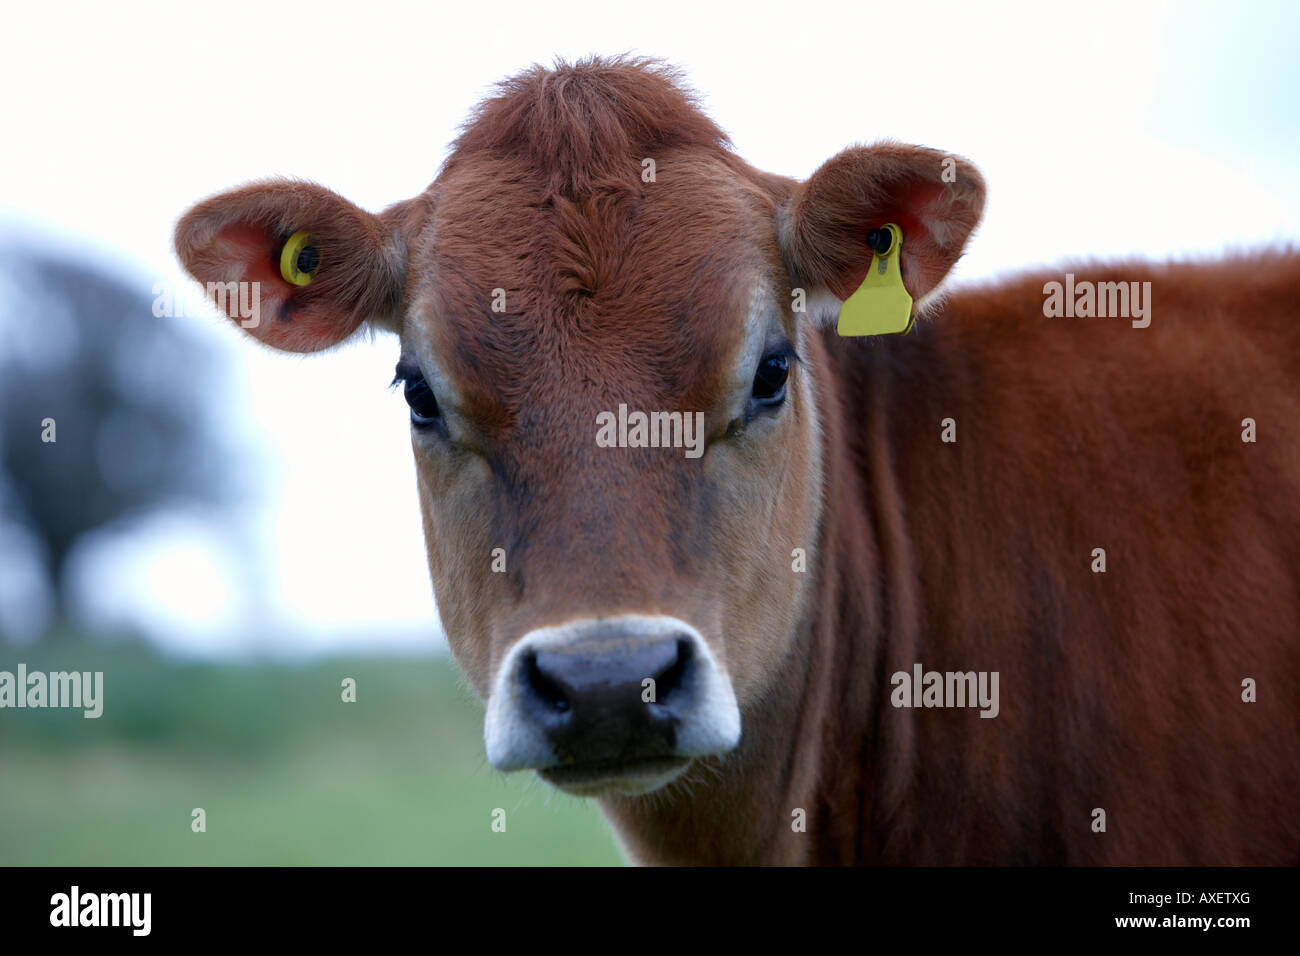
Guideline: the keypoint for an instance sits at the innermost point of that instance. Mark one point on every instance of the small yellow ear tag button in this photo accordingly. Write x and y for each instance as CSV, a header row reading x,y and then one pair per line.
x,y
299,259
881,306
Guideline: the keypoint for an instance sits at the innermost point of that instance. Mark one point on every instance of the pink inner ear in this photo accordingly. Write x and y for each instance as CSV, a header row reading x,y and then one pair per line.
x,y
244,253
910,210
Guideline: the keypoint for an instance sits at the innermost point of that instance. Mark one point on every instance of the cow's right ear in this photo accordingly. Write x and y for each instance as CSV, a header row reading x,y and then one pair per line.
x,y
316,265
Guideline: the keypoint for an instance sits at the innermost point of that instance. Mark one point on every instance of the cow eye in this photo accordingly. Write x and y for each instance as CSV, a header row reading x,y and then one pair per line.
x,y
769,380
424,407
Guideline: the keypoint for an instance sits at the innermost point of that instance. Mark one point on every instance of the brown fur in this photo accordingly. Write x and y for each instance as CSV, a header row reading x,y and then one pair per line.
x,y
1118,690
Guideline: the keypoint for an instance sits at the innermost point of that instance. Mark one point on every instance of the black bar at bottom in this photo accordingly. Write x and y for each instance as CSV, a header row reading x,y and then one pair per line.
x,y
213,905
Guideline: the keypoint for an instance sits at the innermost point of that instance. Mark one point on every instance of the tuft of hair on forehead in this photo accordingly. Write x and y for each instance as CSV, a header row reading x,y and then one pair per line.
x,y
585,127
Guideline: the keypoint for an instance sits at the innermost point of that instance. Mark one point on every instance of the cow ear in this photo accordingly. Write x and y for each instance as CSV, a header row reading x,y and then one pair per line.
x,y
935,198
297,266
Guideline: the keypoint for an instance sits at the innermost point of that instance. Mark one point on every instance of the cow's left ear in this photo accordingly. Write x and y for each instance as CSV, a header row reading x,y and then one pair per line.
x,y
316,265
935,198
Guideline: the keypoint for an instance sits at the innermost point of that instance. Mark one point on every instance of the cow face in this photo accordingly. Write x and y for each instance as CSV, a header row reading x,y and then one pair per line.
x,y
613,403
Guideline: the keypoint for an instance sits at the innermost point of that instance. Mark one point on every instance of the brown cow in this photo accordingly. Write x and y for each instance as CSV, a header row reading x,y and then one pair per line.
x,y
733,650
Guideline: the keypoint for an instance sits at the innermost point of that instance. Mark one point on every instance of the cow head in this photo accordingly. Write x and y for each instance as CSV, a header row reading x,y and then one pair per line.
x,y
592,252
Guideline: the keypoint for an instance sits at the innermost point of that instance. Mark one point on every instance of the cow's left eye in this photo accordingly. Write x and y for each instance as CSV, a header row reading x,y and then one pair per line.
x,y
769,380
424,407
425,412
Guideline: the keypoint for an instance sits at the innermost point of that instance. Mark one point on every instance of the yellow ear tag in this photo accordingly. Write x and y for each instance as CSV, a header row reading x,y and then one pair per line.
x,y
299,258
881,306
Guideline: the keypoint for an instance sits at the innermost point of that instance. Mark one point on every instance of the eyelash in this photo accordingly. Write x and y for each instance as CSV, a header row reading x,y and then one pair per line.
x,y
418,397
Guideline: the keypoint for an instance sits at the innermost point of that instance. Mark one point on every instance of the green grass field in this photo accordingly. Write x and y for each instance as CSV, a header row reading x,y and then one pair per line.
x,y
286,771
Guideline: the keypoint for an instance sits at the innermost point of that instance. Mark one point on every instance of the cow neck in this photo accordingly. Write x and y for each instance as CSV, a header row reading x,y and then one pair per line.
x,y
865,616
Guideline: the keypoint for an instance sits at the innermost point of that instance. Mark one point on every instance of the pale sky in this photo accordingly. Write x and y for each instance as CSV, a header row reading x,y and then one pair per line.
x,y
1102,129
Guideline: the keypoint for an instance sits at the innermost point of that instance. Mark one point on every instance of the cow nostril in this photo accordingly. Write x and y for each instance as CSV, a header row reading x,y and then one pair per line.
x,y
673,678
547,690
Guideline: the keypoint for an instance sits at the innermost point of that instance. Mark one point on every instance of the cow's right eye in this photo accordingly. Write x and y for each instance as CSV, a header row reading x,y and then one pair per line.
x,y
424,407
